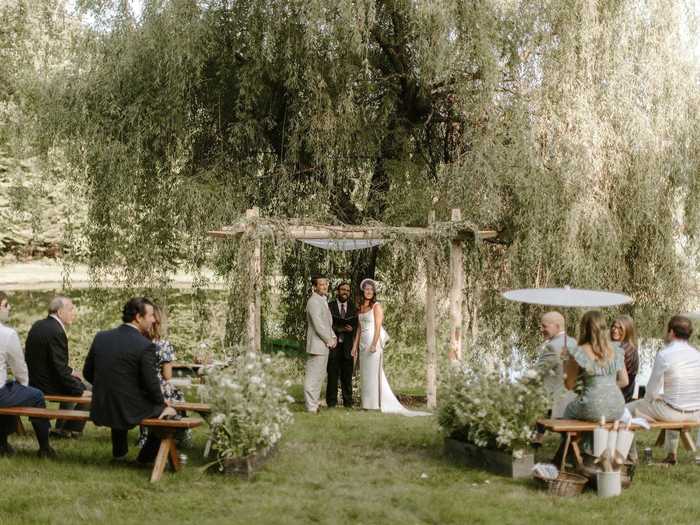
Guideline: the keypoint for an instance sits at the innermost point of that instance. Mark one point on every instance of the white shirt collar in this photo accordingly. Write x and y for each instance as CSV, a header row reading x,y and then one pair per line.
x,y
59,321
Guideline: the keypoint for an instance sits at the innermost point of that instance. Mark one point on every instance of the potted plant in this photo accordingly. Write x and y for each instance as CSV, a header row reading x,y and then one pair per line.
x,y
488,418
250,409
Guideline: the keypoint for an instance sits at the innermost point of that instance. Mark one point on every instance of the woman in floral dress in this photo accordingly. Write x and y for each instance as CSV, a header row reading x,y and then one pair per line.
x,y
165,355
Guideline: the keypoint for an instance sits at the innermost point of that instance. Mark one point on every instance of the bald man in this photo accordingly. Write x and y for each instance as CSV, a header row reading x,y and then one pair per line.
x,y
550,362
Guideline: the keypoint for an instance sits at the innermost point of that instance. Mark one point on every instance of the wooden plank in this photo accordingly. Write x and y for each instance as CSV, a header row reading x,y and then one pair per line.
x,y
456,288
82,415
430,330
161,460
573,425
80,400
200,408
321,232
687,440
46,413
255,285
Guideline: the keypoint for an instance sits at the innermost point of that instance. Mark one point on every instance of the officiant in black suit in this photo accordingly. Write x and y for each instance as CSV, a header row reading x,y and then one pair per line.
x,y
340,361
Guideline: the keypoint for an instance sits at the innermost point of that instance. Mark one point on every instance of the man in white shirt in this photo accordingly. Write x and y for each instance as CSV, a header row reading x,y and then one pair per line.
x,y
673,390
17,393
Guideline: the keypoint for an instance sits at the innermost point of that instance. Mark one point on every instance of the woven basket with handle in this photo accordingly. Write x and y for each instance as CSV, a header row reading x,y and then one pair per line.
x,y
566,484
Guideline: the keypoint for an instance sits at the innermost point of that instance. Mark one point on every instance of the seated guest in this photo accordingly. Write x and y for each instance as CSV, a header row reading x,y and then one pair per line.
x,y
46,352
550,364
602,370
673,390
622,332
121,365
550,361
165,355
17,393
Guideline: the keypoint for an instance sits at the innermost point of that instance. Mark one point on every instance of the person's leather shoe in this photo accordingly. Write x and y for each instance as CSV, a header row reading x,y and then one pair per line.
x,y
7,451
60,434
47,453
670,460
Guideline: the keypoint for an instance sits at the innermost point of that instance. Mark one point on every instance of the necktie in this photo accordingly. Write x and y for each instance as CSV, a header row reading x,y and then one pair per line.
x,y
342,310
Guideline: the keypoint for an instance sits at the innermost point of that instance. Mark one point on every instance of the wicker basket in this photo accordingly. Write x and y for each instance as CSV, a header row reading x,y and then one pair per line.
x,y
566,484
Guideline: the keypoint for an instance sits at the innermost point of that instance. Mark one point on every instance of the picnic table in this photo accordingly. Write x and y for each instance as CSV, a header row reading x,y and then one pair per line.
x,y
572,429
167,427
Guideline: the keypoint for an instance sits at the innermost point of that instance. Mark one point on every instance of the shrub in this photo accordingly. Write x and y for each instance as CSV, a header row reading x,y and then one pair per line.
x,y
488,409
250,407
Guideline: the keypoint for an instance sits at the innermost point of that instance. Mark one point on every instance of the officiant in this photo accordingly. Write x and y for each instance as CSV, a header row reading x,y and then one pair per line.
x,y
340,361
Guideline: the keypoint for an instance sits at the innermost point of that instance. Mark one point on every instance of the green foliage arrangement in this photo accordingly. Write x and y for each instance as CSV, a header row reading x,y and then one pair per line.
x,y
484,407
250,408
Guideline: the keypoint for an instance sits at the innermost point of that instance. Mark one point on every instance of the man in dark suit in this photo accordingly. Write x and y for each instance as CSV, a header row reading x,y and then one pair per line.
x,y
46,353
340,361
121,365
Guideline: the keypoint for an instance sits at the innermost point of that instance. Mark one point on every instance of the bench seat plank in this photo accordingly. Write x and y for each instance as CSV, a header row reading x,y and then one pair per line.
x,y
573,425
200,408
166,452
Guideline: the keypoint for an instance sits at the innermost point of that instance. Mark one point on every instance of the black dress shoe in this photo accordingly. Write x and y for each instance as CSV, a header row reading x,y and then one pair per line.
x,y
48,453
7,451
60,434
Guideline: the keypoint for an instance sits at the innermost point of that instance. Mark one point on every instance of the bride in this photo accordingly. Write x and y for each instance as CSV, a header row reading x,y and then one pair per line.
x,y
370,340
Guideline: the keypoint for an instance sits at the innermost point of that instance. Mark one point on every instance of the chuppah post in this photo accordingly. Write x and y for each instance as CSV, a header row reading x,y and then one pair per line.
x,y
457,273
431,356
254,306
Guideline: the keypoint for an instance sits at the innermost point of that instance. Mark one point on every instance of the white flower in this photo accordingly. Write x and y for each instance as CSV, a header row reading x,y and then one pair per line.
x,y
255,380
218,419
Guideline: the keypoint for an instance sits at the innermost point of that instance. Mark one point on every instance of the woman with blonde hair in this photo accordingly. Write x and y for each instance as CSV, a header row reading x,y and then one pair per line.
x,y
601,367
623,333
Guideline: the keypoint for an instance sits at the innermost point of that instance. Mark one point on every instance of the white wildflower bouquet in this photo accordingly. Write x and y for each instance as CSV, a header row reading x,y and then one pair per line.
x,y
249,407
487,408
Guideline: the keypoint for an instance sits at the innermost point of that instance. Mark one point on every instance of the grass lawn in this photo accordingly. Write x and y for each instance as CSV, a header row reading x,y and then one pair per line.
x,y
336,467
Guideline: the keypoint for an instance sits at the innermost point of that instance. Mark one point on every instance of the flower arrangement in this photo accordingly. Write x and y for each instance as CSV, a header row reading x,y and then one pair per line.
x,y
487,408
250,408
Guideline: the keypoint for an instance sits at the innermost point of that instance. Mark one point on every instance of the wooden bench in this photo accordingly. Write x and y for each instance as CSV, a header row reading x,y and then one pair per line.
x,y
167,450
573,428
200,408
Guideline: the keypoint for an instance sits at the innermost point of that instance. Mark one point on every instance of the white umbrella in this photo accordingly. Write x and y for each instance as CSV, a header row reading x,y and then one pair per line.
x,y
567,297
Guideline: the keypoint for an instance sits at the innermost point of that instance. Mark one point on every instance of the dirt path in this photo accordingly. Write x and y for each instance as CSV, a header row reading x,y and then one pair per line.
x,y
48,274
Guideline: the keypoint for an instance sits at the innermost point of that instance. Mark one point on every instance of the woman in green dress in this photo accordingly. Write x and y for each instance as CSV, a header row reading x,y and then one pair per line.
x,y
601,366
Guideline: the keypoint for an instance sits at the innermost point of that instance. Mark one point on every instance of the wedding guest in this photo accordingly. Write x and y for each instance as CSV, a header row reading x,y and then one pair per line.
x,y
623,333
550,364
340,360
602,369
18,393
165,355
46,352
121,365
673,390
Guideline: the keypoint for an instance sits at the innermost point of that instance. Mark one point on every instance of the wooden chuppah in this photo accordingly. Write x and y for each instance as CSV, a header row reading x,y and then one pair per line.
x,y
257,227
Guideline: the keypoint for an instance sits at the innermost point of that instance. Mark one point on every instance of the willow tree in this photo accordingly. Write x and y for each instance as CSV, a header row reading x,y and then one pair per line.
x,y
568,126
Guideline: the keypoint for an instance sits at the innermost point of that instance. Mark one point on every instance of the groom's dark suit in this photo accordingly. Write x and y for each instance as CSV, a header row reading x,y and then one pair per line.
x,y
340,362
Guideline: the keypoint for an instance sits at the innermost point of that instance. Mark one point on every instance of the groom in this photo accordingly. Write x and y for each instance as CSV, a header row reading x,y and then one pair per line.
x,y
319,339
340,361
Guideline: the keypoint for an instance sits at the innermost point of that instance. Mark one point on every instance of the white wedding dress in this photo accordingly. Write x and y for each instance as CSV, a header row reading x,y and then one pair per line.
x,y
374,387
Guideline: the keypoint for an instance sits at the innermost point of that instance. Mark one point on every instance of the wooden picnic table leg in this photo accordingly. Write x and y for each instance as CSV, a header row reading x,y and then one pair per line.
x,y
161,459
565,452
174,456
661,439
20,427
577,451
687,440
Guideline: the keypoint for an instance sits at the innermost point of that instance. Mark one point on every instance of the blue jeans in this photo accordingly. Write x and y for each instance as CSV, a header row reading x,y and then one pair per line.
x,y
14,394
